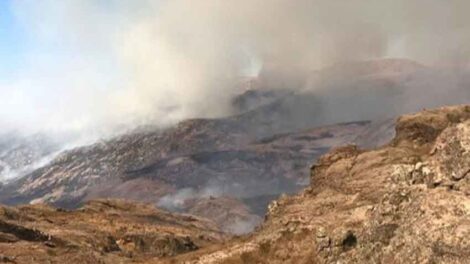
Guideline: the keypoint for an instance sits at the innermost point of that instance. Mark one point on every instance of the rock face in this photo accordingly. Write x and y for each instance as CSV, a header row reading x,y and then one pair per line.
x,y
406,202
103,231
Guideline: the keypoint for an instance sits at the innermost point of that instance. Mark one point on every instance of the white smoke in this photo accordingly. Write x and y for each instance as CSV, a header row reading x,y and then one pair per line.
x,y
104,65
176,201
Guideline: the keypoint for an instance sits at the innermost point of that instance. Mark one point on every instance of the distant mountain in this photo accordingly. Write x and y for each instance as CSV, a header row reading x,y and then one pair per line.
x,y
253,156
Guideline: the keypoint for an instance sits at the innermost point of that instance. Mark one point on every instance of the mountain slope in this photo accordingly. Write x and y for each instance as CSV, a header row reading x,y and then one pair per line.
x,y
20,154
406,202
263,151
193,160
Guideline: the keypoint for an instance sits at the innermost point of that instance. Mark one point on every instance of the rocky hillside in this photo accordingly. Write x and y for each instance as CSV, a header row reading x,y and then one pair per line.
x,y
103,231
262,151
405,202
197,159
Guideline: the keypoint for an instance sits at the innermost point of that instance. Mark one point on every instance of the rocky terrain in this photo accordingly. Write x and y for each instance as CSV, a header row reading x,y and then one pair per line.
x,y
254,156
197,159
405,202
235,165
103,231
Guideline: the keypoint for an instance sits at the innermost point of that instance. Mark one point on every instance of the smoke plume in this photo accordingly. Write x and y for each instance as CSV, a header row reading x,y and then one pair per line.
x,y
104,65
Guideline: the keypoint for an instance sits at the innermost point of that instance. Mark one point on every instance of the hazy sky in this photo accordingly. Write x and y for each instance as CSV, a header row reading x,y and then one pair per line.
x,y
99,64
47,70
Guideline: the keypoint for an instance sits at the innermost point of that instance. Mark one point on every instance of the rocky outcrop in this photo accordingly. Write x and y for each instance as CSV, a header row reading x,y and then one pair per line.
x,y
406,202
103,231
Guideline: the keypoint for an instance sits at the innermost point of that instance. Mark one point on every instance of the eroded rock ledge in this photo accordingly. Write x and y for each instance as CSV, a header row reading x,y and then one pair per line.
x,y
406,202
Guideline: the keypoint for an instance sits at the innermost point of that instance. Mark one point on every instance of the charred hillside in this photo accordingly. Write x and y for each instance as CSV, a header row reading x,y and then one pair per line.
x,y
197,159
405,202
253,157
263,151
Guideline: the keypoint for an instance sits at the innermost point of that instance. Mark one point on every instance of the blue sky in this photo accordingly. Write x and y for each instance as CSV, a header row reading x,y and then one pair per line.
x,y
47,64
13,44
29,30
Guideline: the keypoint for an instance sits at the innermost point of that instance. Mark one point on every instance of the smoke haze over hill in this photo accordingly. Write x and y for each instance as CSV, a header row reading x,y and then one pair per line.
x,y
101,66
211,107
